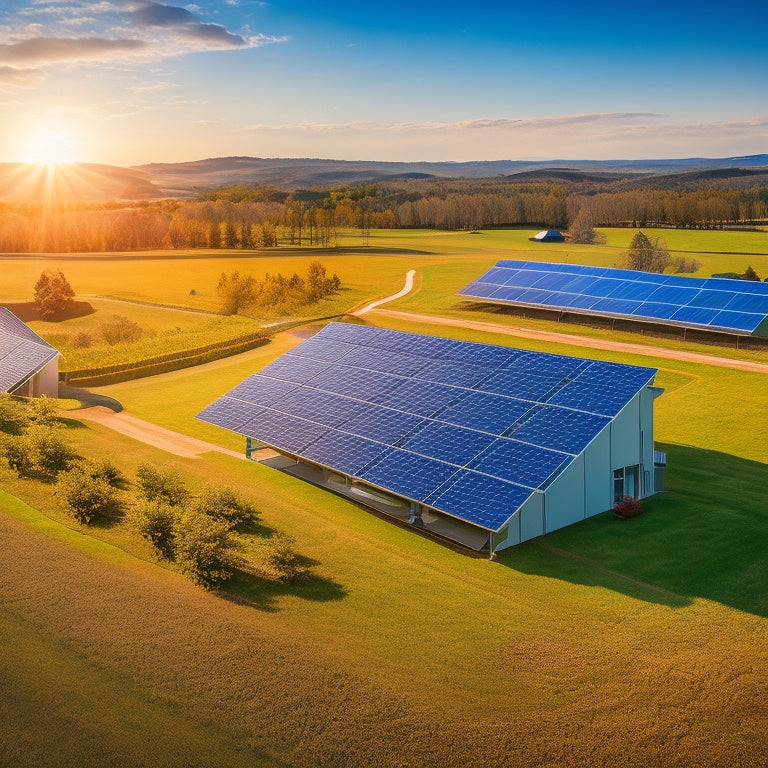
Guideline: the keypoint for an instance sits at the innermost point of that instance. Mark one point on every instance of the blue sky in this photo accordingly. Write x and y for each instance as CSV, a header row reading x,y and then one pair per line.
x,y
134,81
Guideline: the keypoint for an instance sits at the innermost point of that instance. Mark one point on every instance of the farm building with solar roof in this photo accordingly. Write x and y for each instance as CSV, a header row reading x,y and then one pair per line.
x,y
483,445
29,366
736,308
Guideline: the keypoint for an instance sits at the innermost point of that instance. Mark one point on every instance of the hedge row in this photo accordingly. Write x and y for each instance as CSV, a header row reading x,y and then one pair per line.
x,y
114,374
167,357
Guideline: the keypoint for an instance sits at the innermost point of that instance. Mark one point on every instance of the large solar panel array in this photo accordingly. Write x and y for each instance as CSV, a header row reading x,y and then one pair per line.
x,y
22,352
715,304
468,429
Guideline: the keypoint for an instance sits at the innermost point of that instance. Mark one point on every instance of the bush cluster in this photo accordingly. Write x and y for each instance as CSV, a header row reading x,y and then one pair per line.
x,y
204,534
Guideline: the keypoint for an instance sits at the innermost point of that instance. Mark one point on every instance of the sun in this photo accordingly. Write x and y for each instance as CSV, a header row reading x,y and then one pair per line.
x,y
50,146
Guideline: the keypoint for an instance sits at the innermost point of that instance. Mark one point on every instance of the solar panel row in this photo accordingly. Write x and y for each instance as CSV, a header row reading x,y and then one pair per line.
x,y
465,428
716,304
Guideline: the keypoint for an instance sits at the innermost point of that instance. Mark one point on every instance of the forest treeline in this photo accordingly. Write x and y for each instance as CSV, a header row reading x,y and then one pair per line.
x,y
252,216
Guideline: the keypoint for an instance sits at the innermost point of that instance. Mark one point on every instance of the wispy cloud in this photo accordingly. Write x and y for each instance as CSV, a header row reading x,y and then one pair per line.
x,y
18,77
475,124
47,50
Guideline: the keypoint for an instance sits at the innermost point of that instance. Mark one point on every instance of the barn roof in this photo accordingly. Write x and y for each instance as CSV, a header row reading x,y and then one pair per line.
x,y
22,352
471,430
713,304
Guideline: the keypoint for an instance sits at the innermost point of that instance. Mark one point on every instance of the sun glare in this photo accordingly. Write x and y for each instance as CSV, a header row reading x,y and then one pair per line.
x,y
50,146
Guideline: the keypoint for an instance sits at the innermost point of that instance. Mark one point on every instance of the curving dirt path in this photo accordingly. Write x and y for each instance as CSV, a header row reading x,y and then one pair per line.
x,y
406,289
146,432
580,341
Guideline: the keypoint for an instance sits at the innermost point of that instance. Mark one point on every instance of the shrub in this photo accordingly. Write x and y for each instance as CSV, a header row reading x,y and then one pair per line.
x,y
43,411
682,264
14,416
206,549
106,470
121,330
161,484
627,507
91,499
281,558
82,340
156,520
17,452
51,453
226,504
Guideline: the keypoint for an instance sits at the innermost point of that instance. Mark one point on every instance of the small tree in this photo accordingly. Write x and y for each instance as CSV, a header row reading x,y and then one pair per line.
x,y
206,549
582,228
226,504
235,292
53,294
91,499
164,485
282,560
750,274
646,256
156,521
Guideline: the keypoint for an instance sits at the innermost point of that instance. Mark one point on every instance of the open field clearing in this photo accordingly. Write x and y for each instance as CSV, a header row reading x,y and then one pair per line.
x,y
637,643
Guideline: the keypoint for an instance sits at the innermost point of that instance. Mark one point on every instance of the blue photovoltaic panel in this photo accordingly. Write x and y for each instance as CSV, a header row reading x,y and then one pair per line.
x,y
445,442
386,425
322,407
712,299
485,501
229,413
422,398
468,429
523,386
521,463
561,429
281,431
740,320
408,474
348,454
260,390
484,412
626,293
587,397
293,369
455,374
698,315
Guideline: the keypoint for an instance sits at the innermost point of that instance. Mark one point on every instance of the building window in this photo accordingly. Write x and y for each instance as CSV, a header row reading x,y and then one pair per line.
x,y
626,482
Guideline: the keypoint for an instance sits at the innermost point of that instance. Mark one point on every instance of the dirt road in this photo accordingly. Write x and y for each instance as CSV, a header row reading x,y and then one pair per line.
x,y
146,432
579,341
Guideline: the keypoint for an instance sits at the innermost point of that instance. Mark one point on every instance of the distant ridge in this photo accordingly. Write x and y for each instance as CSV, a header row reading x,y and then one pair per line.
x,y
98,183
297,173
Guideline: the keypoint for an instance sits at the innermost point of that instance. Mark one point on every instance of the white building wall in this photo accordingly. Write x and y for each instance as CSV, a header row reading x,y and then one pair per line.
x,y
48,379
625,435
598,476
564,499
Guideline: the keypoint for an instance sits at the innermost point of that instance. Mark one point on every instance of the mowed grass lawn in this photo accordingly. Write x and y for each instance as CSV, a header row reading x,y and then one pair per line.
x,y
628,643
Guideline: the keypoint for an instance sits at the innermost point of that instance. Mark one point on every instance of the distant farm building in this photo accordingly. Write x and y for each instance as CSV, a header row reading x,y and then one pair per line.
x,y
29,366
482,445
549,236
629,299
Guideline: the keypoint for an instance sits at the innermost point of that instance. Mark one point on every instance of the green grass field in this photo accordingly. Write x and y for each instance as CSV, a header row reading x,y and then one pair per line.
x,y
621,643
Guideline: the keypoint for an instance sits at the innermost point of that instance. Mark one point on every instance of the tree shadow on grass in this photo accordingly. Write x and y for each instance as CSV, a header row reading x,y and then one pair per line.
x,y
703,538
262,593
